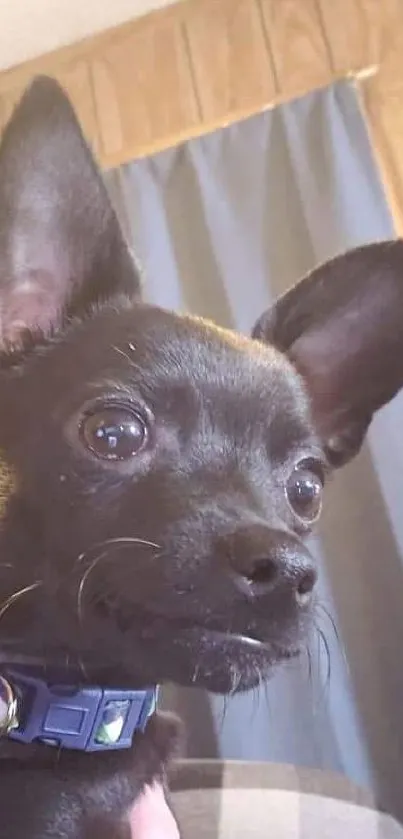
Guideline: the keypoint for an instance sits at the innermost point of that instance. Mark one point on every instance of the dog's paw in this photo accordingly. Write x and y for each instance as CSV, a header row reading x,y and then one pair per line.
x,y
164,739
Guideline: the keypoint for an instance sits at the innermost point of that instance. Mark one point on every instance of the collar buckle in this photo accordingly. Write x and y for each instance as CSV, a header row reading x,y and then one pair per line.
x,y
88,718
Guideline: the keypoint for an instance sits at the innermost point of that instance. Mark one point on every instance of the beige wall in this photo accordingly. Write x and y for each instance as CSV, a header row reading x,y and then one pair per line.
x,y
29,28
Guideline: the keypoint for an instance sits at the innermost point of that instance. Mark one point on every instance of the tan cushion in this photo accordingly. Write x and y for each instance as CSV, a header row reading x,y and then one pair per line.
x,y
235,800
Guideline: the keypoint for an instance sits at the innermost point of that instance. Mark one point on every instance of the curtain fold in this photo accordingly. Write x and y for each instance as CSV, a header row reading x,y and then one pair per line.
x,y
223,225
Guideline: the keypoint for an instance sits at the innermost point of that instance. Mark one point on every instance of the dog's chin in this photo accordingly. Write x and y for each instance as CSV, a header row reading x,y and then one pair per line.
x,y
226,663
217,661
191,655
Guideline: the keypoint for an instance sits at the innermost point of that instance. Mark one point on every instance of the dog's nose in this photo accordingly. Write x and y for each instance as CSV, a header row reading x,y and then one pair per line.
x,y
266,560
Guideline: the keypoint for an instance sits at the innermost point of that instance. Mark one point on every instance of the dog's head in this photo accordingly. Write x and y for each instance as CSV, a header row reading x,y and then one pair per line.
x,y
164,471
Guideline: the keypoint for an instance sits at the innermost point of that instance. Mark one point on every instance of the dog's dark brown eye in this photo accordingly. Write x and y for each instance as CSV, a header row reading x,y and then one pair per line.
x,y
114,433
304,490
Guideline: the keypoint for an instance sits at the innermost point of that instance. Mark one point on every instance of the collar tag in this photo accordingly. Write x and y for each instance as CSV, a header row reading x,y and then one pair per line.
x,y
86,718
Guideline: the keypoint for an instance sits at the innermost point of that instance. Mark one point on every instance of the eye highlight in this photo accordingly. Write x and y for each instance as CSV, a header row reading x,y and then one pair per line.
x,y
114,432
304,490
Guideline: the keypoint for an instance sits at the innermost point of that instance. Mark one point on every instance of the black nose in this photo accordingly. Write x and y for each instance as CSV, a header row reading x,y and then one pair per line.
x,y
266,560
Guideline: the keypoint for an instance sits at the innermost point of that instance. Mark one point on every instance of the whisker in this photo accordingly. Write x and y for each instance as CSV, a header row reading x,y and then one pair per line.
x,y
196,671
258,689
82,668
267,697
236,677
323,639
124,354
235,674
336,633
316,671
309,662
331,620
224,708
120,541
83,581
16,596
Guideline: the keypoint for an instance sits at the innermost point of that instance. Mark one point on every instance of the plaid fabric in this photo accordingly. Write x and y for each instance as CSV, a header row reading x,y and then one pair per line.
x,y
237,800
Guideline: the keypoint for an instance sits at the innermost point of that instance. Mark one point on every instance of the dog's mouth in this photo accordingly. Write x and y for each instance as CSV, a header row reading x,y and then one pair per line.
x,y
210,655
123,646
248,642
218,661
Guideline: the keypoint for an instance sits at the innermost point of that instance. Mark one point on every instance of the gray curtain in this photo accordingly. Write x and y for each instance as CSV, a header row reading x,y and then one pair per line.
x,y
223,224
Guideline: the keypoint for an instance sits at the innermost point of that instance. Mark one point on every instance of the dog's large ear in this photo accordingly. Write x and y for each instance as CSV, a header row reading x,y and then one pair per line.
x,y
342,327
61,246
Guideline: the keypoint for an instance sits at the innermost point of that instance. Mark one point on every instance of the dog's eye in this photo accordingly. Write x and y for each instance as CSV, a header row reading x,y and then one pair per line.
x,y
114,432
304,490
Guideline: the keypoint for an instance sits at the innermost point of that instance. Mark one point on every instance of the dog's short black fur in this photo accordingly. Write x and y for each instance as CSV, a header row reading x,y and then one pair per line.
x,y
161,472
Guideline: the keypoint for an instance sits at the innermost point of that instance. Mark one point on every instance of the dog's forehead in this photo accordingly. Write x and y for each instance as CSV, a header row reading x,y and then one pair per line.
x,y
208,378
161,355
175,347
166,350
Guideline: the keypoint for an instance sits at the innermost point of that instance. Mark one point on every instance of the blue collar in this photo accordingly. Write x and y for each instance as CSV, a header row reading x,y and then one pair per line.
x,y
90,719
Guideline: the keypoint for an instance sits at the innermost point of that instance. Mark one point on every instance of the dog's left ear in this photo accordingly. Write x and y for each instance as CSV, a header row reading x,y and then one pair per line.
x,y
61,246
342,327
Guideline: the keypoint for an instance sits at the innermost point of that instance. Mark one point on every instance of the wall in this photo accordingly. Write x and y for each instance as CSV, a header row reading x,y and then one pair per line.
x,y
30,28
200,64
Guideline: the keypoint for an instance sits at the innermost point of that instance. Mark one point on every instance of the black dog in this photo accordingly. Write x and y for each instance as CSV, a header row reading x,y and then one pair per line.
x,y
160,472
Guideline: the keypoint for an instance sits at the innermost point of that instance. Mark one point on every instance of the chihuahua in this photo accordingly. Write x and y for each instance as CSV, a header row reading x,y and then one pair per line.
x,y
159,474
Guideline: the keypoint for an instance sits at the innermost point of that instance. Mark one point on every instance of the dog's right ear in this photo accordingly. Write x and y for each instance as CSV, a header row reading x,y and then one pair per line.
x,y
342,327
61,246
